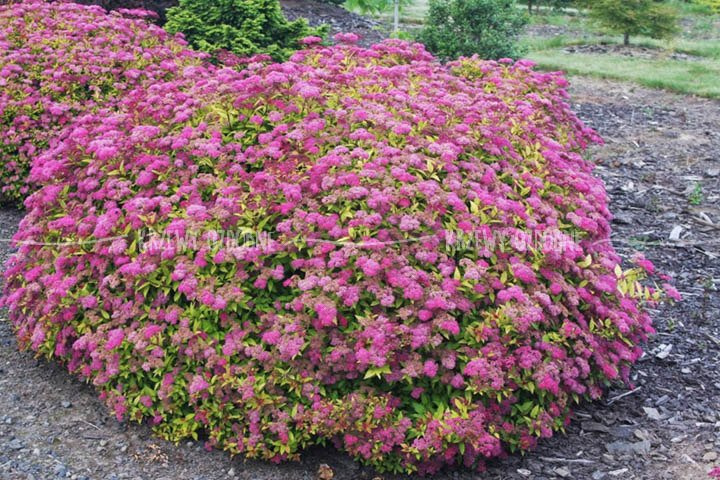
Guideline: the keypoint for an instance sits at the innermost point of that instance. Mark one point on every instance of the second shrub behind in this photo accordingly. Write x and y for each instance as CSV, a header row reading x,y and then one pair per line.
x,y
488,28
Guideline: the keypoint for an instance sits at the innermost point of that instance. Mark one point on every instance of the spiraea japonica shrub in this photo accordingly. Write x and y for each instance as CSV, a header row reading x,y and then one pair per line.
x,y
59,60
366,246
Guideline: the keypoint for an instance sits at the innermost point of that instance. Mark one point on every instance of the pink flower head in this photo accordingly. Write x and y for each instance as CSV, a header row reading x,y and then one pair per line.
x,y
115,338
642,262
369,266
88,301
327,314
425,315
451,326
524,273
271,338
547,382
152,330
198,384
311,40
672,292
430,368
347,38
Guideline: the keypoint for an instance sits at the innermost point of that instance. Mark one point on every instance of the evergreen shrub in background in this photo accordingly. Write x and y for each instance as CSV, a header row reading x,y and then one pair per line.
x,y
243,27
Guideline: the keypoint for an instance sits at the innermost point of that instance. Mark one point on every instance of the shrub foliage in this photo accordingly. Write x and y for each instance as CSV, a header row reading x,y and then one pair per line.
x,y
713,5
366,246
244,27
58,61
488,28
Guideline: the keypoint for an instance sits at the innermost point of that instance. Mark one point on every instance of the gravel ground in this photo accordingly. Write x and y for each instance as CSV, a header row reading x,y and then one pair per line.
x,y
662,168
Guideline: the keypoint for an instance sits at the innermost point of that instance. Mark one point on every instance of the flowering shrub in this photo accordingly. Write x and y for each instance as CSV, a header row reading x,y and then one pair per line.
x,y
407,258
58,60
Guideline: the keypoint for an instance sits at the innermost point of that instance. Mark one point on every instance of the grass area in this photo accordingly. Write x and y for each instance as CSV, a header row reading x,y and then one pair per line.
x,y
411,17
416,12
700,37
684,8
689,77
699,48
691,8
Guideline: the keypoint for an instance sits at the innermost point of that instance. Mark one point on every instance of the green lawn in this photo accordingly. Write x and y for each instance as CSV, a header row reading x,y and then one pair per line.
x,y
699,48
700,37
416,12
691,77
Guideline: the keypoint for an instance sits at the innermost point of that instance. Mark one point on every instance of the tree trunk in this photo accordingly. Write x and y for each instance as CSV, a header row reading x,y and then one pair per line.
x,y
626,39
530,4
396,23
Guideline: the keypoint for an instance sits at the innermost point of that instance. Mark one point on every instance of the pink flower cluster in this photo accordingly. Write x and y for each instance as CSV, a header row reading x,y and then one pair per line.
x,y
60,60
431,282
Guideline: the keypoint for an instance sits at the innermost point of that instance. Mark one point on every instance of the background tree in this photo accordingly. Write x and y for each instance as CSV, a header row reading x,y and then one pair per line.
x,y
636,17
489,28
